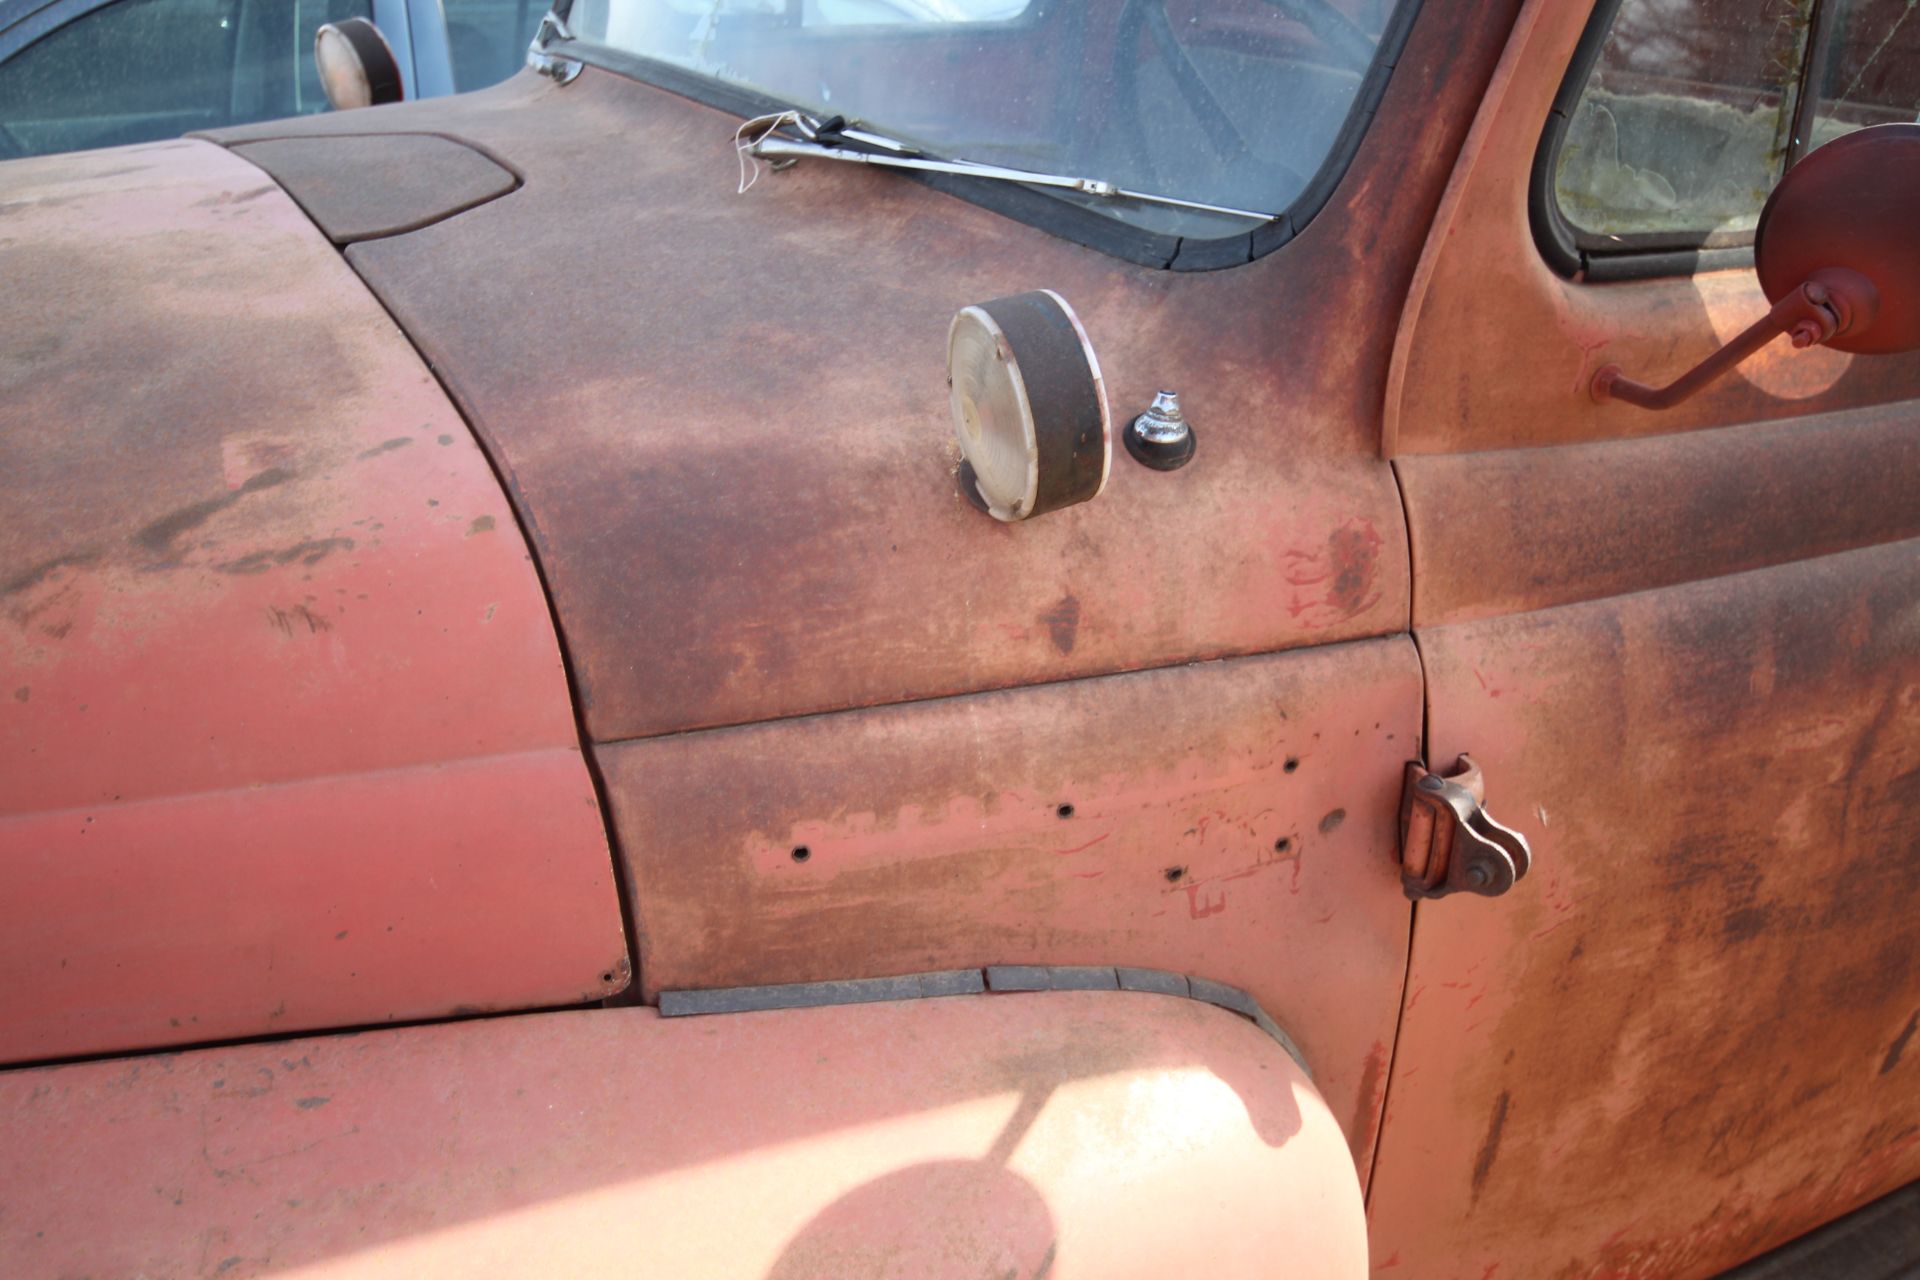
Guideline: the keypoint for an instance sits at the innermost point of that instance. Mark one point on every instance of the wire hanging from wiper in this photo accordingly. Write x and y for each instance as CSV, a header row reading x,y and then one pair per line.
x,y
835,139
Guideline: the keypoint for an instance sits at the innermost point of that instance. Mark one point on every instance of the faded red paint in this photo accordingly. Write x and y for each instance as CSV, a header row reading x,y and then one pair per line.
x,y
285,748
1100,1136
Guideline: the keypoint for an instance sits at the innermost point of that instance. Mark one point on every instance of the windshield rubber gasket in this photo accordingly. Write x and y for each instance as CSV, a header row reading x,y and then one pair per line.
x,y
1052,213
1580,255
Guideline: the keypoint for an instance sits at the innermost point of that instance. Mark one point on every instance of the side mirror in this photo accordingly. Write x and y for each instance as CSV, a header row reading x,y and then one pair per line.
x,y
1838,255
357,66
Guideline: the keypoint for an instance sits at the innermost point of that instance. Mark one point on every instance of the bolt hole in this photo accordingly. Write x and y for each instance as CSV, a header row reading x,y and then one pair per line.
x,y
1293,762
1282,845
1065,811
606,977
801,853
1174,874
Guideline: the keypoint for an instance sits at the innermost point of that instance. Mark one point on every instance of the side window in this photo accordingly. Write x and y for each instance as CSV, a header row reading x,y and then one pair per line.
x,y
1678,116
488,38
141,70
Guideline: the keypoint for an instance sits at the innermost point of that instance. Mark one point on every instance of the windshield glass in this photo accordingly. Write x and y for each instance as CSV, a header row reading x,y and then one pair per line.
x,y
1226,102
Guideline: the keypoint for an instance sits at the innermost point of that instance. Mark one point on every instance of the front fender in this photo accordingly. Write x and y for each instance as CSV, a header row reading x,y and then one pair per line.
x,y
1059,1134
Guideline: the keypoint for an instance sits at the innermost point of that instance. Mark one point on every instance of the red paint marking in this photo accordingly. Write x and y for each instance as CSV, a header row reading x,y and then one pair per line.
x,y
1394,1261
1088,845
1086,875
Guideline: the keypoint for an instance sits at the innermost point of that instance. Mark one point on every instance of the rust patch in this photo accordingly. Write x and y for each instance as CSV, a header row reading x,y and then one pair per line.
x,y
1899,1045
1354,552
159,536
481,524
309,1104
1490,1147
1063,622
385,446
309,553
45,569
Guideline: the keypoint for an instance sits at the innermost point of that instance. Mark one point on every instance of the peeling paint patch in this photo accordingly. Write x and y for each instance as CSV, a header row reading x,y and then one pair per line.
x,y
481,524
1331,823
308,1104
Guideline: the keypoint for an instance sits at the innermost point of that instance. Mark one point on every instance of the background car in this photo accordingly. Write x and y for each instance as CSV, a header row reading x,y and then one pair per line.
x,y
102,73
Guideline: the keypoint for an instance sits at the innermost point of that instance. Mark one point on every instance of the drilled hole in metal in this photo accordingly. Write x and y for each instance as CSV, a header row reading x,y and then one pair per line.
x,y
1282,845
1293,762
1065,811
801,853
1174,874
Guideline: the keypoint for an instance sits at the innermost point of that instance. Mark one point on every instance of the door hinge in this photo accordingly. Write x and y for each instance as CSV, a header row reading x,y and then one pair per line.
x,y
1448,843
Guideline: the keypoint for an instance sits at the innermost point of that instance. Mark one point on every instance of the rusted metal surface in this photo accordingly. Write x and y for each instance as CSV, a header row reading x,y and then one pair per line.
x,y
1710,980
1496,351
284,737
724,417
1528,528
1101,1135
1233,820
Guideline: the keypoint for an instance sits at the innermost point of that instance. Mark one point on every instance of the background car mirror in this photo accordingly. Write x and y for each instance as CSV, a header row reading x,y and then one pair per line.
x,y
357,66
1837,257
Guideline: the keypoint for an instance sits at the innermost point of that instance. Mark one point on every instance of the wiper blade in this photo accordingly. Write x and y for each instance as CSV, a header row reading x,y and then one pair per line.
x,y
835,140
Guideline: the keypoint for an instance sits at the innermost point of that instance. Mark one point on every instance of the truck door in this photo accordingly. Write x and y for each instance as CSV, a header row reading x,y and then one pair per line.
x,y
1684,648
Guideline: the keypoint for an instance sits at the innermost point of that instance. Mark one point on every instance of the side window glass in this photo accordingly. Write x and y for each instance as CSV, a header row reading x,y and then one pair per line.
x,y
1684,121
488,38
142,70
1679,116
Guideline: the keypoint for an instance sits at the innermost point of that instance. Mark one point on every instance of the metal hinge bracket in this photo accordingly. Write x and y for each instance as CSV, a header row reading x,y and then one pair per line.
x,y
1448,843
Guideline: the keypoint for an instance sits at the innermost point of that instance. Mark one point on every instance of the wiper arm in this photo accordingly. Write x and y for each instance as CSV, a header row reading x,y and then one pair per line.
x,y
835,140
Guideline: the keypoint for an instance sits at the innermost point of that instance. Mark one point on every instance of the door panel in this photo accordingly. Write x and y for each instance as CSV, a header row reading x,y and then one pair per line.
x,y
1685,649
1687,1036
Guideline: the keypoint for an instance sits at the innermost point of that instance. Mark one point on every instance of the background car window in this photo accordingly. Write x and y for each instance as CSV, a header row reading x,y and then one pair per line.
x,y
1867,70
1694,108
140,70
489,38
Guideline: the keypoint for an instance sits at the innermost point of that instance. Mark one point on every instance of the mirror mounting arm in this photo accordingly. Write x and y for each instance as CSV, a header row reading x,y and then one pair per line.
x,y
1831,302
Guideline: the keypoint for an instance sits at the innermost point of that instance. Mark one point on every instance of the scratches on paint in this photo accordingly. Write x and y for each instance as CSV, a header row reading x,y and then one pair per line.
x,y
289,621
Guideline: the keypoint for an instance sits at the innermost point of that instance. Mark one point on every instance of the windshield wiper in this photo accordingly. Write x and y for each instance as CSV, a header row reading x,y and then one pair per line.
x,y
834,139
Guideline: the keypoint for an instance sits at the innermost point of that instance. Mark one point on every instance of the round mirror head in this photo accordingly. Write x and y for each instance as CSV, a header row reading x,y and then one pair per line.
x,y
1854,205
357,67
1029,408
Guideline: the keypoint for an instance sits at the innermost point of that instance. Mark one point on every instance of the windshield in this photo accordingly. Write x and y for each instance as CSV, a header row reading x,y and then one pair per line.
x,y
1226,102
